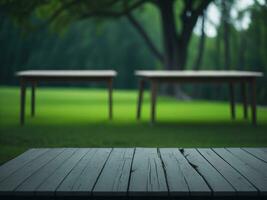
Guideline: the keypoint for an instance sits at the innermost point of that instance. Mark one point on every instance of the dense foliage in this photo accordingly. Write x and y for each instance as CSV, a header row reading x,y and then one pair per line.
x,y
114,43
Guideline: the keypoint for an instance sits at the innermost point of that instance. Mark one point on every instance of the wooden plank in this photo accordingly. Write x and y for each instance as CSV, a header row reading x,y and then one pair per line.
x,y
250,160
49,186
114,178
253,176
147,177
258,153
174,174
241,185
163,172
182,178
14,180
11,166
81,180
218,184
28,187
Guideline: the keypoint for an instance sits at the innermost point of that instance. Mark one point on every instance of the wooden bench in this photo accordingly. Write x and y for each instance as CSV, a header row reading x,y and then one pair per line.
x,y
33,77
230,77
139,173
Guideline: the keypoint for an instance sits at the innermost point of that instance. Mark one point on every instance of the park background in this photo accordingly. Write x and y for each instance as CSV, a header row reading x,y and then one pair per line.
x,y
228,35
114,43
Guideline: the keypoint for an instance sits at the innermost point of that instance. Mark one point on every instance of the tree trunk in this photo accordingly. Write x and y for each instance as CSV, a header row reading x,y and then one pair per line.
x,y
201,45
175,51
181,55
226,30
169,34
241,53
175,46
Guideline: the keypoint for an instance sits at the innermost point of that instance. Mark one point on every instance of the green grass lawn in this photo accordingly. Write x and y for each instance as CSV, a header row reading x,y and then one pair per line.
x,y
78,118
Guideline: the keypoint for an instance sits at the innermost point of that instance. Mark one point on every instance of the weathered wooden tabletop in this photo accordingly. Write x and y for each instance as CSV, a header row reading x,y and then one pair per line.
x,y
136,172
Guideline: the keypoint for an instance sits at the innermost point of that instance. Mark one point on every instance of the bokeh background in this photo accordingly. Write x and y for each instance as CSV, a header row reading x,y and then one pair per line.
x,y
230,35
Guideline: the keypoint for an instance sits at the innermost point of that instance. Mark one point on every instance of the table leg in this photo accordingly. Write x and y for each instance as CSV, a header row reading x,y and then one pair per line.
x,y
33,100
110,98
22,101
232,100
253,101
154,86
244,97
140,98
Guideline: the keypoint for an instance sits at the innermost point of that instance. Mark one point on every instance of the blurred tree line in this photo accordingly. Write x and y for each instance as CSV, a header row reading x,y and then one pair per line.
x,y
109,43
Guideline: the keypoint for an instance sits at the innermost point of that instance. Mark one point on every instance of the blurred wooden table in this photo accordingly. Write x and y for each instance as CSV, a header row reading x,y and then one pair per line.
x,y
33,77
230,77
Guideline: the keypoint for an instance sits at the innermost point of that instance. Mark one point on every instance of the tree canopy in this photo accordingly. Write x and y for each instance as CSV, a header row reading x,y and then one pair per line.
x,y
62,13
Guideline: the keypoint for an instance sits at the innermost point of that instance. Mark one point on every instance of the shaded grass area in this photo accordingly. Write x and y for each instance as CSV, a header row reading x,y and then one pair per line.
x,y
75,117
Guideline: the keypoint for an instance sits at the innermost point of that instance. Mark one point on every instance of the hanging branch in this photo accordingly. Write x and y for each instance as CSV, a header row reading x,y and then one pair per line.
x,y
145,36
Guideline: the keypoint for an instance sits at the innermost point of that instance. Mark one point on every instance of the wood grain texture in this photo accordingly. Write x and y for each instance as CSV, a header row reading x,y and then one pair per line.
x,y
11,166
15,179
258,153
81,180
136,173
218,184
113,180
147,177
250,160
240,184
49,186
182,178
252,175
29,186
